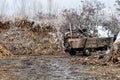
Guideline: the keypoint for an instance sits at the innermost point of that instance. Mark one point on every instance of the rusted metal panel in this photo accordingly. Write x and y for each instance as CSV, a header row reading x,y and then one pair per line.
x,y
89,42
77,43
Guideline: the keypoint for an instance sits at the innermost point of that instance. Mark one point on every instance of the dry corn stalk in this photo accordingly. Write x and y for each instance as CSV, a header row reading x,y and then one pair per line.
x,y
4,52
115,51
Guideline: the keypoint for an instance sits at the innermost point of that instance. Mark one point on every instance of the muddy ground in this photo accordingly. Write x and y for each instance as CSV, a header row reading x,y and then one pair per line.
x,y
54,67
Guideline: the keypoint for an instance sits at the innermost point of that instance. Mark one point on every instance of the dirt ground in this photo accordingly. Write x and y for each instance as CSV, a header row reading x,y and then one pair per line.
x,y
51,67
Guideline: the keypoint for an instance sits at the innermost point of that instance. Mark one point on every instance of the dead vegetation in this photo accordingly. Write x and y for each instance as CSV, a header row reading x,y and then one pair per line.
x,y
114,56
4,52
97,59
4,25
25,37
34,39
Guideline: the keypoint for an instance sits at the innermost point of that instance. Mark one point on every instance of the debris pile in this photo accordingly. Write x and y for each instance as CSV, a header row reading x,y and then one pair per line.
x,y
96,58
114,54
103,58
4,25
24,23
26,37
99,58
4,52
115,51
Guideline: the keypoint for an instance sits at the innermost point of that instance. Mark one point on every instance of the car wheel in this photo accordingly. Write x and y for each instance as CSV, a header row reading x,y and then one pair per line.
x,y
72,52
86,52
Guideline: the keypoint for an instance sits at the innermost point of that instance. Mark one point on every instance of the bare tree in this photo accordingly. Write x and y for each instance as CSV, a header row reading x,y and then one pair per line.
x,y
113,23
87,18
118,3
2,7
22,7
49,7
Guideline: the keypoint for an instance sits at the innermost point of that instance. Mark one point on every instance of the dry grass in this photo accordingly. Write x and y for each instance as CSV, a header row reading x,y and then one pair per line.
x,y
4,52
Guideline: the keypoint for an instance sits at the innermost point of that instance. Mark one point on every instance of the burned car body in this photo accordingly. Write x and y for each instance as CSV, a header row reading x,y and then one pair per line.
x,y
86,44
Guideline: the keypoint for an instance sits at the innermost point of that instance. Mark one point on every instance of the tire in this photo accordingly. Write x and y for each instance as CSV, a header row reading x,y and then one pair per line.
x,y
86,52
69,49
72,52
67,46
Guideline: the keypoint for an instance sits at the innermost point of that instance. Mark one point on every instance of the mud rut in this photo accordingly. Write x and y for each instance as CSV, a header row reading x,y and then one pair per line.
x,y
54,68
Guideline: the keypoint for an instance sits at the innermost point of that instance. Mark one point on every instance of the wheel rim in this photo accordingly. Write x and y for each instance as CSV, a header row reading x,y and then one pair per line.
x,y
86,52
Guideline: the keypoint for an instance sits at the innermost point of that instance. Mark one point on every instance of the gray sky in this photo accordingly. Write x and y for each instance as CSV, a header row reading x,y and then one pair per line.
x,y
76,3
13,5
62,4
